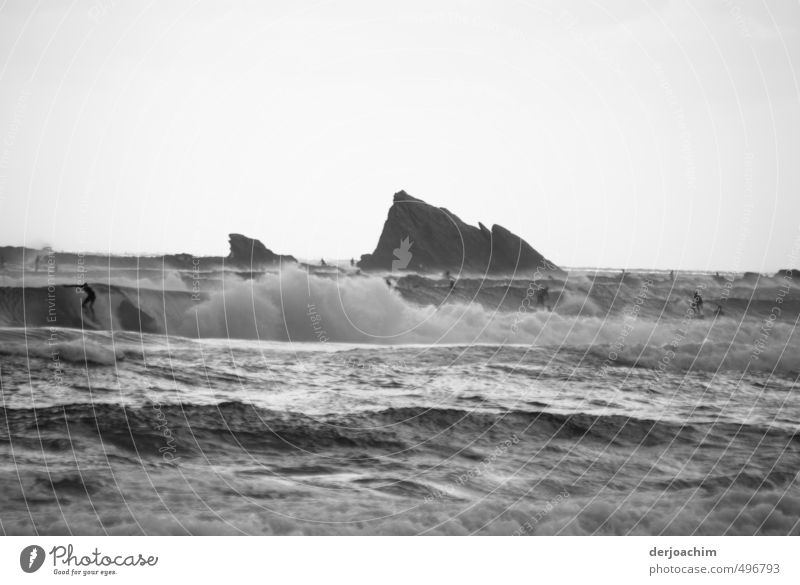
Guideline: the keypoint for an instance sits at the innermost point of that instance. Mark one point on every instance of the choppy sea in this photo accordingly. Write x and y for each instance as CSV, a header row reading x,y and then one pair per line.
x,y
295,402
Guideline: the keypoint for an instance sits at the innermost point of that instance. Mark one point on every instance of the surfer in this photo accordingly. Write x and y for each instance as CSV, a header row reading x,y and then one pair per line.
x,y
697,303
90,297
542,296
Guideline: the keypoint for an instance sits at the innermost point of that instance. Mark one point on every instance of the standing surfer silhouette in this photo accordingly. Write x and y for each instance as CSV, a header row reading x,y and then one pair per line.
x,y
90,298
697,303
542,296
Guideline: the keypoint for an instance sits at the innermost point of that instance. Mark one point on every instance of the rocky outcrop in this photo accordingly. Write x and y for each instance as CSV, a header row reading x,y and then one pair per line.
x,y
250,252
17,254
244,252
418,236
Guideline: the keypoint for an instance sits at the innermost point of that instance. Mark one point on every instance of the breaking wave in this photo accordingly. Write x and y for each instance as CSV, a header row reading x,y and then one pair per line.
x,y
638,320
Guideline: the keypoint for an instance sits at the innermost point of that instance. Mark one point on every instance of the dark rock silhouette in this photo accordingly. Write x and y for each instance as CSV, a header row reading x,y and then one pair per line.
x,y
244,252
17,254
436,239
250,252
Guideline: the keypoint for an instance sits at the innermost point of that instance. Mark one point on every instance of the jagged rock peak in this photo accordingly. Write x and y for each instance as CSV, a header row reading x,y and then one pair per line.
x,y
249,251
418,236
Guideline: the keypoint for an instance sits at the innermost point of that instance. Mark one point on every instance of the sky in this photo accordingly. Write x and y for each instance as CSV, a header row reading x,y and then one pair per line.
x,y
654,135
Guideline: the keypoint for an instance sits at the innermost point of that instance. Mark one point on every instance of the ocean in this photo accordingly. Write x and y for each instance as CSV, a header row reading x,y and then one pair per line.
x,y
322,401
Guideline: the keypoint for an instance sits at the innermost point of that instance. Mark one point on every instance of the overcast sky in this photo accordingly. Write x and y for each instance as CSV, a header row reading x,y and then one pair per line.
x,y
618,134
